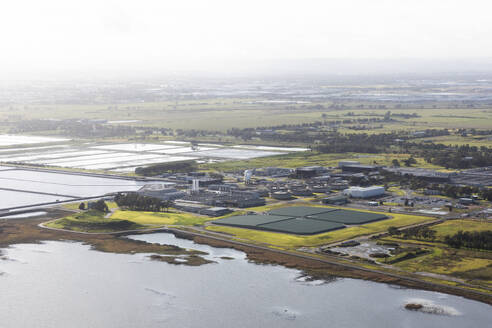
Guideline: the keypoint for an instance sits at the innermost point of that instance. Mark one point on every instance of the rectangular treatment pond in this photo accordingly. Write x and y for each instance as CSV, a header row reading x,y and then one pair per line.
x,y
11,199
301,226
250,221
64,183
280,223
300,211
349,217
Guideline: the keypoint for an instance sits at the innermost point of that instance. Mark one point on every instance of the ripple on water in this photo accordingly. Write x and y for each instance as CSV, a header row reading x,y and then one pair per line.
x,y
285,313
428,306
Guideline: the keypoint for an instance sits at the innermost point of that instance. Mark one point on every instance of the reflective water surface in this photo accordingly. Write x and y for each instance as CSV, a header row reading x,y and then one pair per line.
x,y
65,284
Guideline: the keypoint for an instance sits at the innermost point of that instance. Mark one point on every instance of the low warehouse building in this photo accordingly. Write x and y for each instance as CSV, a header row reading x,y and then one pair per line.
x,y
364,192
335,200
162,191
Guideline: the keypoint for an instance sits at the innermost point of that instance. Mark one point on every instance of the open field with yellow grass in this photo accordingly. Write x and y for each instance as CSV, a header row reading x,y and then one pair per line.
x,y
453,226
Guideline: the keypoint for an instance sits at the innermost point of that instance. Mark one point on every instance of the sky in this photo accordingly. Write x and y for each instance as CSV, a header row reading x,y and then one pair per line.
x,y
67,35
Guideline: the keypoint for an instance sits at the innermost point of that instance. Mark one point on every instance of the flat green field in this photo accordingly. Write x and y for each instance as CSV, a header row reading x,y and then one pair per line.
x,y
220,114
453,226
314,158
159,219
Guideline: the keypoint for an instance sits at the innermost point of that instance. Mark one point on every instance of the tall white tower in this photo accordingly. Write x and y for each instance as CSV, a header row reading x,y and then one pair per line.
x,y
247,176
195,186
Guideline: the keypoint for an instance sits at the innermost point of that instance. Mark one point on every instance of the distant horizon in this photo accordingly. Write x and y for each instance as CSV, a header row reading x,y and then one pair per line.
x,y
288,68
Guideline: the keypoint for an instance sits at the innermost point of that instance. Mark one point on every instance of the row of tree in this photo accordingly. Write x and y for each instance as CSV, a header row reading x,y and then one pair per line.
x,y
173,167
423,233
476,240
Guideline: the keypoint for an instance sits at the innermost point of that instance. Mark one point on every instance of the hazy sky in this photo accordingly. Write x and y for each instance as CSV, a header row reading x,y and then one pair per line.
x,y
40,35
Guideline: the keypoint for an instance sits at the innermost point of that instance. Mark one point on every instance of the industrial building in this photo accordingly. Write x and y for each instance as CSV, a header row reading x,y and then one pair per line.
x,y
310,171
188,178
274,172
281,195
195,207
163,191
364,192
341,164
233,198
360,168
335,200
427,175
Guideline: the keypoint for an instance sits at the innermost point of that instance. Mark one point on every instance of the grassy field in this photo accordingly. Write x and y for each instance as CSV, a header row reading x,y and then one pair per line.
x,y
75,206
459,140
159,219
314,158
465,264
468,265
220,114
453,226
289,241
95,221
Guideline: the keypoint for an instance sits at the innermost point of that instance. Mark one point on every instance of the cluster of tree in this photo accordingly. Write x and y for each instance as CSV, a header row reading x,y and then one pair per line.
x,y
138,202
173,167
453,191
358,142
475,132
193,133
75,128
364,127
476,239
424,233
463,156
100,205
331,141
432,133
404,115
409,161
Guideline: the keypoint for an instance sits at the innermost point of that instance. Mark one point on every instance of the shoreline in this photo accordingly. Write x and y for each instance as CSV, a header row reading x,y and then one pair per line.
x,y
30,230
319,268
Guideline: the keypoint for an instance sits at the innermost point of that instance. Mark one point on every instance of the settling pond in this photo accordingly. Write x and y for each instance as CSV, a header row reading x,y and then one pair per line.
x,y
65,284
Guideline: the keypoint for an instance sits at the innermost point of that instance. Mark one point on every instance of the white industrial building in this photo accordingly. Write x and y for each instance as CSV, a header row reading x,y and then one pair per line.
x,y
164,191
347,163
364,192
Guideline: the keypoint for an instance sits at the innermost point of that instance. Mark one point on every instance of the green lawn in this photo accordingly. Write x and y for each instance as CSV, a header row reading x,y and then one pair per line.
x,y
95,221
158,219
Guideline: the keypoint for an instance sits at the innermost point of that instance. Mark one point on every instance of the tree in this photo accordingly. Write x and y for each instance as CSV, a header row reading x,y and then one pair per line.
x,y
410,161
101,205
167,203
393,231
82,206
395,163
